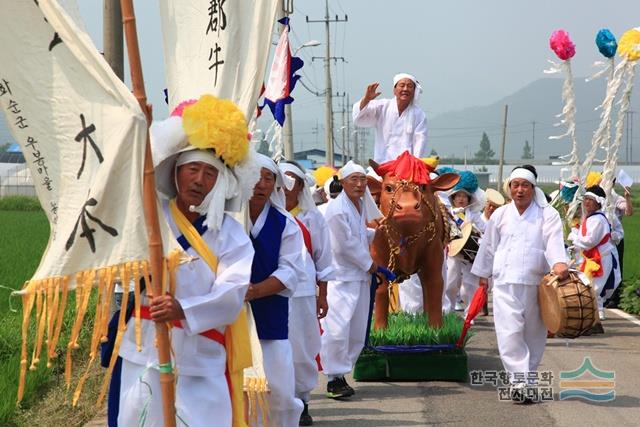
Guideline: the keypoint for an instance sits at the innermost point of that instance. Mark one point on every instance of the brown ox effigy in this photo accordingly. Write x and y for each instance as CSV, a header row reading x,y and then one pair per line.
x,y
413,233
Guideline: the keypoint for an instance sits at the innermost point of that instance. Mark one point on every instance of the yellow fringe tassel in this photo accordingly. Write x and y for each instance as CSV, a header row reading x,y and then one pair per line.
x,y
122,327
27,306
95,335
48,297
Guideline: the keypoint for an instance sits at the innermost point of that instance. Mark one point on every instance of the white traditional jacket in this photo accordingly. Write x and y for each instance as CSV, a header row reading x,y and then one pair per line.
x,y
520,249
350,239
395,133
319,264
209,301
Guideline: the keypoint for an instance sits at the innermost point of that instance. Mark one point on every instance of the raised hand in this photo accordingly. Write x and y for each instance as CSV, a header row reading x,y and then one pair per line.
x,y
370,93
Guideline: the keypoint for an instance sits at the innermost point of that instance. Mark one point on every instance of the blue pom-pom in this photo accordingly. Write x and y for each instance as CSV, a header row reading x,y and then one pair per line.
x,y
446,169
606,42
567,192
468,182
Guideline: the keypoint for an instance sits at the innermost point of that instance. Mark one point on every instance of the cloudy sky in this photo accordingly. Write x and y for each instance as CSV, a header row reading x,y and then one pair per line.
x,y
464,53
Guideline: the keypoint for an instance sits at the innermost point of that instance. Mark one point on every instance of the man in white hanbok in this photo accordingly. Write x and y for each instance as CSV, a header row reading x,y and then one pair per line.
x,y
400,124
276,271
305,308
521,242
205,301
348,297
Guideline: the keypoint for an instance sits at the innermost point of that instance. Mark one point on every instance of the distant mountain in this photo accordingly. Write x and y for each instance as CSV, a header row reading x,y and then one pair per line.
x,y
453,132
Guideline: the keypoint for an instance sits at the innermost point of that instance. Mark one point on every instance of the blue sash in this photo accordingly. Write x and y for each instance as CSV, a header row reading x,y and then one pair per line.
x,y
271,313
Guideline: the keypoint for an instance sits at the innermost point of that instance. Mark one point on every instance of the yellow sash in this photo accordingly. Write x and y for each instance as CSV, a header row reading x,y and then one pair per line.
x,y
236,335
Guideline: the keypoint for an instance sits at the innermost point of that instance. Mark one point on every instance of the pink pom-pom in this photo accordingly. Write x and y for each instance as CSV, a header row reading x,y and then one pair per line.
x,y
177,112
561,44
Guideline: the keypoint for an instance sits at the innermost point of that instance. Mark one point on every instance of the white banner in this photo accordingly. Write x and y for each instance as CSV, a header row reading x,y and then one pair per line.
x,y
219,47
82,134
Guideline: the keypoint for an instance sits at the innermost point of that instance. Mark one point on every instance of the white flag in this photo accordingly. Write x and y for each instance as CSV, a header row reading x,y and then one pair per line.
x,y
218,47
82,134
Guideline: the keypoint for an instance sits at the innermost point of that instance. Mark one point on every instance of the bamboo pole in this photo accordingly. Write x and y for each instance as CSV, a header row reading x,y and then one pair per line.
x,y
167,382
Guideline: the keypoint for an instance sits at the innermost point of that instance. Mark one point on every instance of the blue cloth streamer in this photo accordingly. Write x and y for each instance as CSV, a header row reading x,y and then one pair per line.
x,y
388,274
606,42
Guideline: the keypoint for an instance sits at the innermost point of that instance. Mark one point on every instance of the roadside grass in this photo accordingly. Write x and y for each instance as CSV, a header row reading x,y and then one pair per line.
x,y
24,238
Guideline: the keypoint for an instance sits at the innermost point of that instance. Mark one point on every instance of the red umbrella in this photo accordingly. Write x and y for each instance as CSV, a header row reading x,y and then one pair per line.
x,y
475,306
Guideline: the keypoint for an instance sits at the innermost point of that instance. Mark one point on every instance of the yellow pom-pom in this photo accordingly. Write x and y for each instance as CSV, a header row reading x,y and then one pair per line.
x,y
322,174
217,124
431,162
629,45
593,178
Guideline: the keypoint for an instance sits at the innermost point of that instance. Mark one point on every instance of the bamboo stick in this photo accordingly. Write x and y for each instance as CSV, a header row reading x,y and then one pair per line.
x,y
167,382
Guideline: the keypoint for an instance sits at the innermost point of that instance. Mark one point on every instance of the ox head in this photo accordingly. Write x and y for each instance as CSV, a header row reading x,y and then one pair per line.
x,y
407,196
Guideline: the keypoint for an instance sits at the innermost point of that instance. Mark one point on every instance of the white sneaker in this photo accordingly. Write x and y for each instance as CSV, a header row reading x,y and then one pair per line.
x,y
458,306
601,314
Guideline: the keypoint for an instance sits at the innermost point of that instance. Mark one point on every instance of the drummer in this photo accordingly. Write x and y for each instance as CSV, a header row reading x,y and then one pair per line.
x,y
466,203
522,240
494,199
600,262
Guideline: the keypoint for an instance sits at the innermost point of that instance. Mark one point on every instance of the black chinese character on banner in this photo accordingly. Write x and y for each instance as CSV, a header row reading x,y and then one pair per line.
x,y
56,37
216,63
88,231
4,87
217,17
85,135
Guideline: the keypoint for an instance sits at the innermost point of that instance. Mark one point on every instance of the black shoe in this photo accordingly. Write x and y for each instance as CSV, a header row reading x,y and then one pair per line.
x,y
519,395
594,330
305,418
338,388
611,304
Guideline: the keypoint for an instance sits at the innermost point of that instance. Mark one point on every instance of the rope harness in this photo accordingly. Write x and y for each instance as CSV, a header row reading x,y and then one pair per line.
x,y
397,242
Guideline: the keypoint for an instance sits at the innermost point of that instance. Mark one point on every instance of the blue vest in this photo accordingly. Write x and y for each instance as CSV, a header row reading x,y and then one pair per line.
x,y
271,313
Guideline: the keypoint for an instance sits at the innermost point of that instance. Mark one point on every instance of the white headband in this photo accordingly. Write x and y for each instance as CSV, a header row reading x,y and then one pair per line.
x,y
523,173
277,197
601,200
305,199
350,168
203,156
526,174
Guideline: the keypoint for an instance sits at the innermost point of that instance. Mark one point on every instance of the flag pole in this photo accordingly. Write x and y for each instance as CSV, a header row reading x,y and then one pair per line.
x,y
167,382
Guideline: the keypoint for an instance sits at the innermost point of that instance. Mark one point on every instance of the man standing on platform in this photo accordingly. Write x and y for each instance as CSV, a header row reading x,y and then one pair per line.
x,y
400,124
521,242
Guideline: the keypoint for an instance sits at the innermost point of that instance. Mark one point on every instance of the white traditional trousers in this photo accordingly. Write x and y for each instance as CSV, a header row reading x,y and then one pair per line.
x,y
345,326
304,335
411,295
520,330
284,408
198,399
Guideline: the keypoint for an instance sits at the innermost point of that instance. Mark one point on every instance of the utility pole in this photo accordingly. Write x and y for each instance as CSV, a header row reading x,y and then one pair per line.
x,y
504,142
112,36
327,72
533,139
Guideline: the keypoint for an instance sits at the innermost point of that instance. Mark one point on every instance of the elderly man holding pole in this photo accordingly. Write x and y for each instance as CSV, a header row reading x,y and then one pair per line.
x,y
210,288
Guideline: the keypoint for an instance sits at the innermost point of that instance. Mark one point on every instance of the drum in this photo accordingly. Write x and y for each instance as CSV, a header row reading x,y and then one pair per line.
x,y
466,246
568,307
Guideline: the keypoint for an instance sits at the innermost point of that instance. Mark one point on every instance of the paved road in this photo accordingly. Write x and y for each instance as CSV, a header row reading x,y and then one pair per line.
x,y
455,404
446,403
